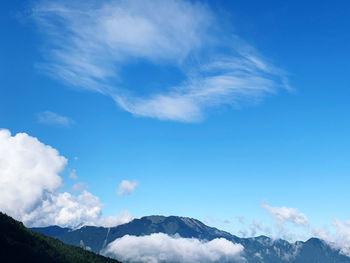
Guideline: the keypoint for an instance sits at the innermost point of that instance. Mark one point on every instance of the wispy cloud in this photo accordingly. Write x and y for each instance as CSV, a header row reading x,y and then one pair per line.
x,y
127,187
90,42
52,118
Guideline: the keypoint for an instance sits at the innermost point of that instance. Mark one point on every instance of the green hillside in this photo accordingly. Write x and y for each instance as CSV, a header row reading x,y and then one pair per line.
x,y
19,244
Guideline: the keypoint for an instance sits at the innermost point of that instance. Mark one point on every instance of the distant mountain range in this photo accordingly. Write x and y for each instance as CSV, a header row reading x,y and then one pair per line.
x,y
19,244
256,250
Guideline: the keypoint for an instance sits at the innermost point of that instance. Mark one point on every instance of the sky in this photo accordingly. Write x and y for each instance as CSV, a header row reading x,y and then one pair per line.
x,y
235,113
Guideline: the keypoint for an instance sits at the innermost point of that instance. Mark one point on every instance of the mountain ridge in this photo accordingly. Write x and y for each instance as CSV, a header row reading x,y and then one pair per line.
x,y
256,249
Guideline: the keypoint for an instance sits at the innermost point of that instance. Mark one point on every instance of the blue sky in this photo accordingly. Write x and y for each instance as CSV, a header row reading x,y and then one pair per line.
x,y
128,103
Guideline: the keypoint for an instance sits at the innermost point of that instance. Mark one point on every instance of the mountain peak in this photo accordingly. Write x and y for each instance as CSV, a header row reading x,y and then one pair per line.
x,y
174,222
315,242
155,218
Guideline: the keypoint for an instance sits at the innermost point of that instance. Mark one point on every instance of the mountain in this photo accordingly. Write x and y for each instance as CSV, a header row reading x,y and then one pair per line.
x,y
51,231
97,238
18,244
256,250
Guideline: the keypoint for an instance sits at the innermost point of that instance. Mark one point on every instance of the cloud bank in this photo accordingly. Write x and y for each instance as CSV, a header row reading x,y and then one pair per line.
x,y
89,43
30,182
127,187
156,248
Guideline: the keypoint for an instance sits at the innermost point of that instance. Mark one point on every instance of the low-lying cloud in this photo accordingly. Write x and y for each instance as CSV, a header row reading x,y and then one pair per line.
x,y
159,247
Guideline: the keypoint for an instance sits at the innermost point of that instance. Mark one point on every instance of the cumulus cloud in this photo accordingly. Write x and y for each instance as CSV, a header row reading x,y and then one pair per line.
x,y
88,44
127,187
65,209
30,182
159,247
28,171
52,118
286,214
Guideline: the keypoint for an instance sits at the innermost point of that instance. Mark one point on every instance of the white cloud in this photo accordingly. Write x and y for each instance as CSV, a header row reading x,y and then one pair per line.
x,y
93,39
337,235
343,229
29,186
322,233
286,214
341,238
122,217
127,187
159,247
52,118
218,83
65,209
28,170
90,42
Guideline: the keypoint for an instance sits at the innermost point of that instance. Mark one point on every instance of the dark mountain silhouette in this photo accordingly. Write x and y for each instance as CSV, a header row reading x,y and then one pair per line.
x,y
19,244
260,249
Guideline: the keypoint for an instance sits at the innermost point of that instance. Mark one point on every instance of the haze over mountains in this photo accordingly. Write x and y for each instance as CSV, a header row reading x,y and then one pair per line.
x,y
150,232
